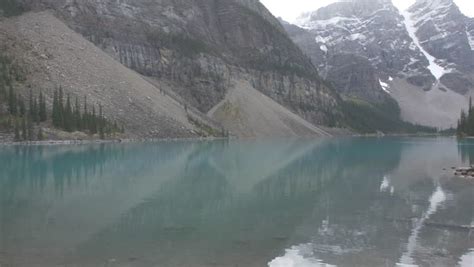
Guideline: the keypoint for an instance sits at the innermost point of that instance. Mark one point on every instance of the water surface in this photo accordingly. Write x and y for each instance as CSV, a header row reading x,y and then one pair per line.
x,y
337,202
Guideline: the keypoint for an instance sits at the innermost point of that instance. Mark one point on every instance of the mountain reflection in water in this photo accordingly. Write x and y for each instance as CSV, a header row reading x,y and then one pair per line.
x,y
345,202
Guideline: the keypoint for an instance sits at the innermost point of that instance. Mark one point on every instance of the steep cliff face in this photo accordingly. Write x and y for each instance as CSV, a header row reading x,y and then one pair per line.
x,y
446,34
422,55
201,47
373,30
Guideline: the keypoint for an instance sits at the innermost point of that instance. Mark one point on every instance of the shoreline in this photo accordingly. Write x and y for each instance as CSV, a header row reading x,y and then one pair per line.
x,y
111,141
142,140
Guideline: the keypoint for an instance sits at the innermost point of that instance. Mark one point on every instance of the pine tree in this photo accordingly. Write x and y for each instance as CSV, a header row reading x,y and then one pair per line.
x,y
77,115
43,115
24,132
36,115
2,88
29,123
12,102
462,129
93,121
55,115
470,106
101,123
31,104
40,136
21,106
61,108
68,120
17,132
85,116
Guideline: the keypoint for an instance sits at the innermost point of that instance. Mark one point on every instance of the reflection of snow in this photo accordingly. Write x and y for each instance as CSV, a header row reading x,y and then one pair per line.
x,y
468,259
298,256
386,185
436,199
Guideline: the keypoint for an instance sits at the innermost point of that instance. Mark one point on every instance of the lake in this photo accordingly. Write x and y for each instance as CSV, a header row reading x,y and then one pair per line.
x,y
327,202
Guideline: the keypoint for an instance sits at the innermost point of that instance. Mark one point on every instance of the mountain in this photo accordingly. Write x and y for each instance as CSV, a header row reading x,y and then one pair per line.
x,y
52,55
202,52
372,52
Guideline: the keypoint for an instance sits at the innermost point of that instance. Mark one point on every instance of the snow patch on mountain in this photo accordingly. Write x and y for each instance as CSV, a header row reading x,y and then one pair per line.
x,y
433,8
437,70
384,86
324,48
305,22
470,37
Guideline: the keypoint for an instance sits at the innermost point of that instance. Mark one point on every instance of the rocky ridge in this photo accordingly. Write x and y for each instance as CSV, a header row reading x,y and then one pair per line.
x,y
371,51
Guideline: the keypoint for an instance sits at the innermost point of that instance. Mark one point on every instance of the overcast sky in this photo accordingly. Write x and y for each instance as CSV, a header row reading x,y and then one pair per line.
x,y
291,9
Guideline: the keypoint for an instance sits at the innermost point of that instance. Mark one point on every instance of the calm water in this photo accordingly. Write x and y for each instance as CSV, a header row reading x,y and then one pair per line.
x,y
347,202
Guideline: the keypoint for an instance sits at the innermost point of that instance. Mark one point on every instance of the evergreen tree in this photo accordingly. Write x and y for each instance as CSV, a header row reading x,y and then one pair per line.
x,y
31,104
61,107
17,132
30,133
24,131
43,115
55,115
85,116
12,102
93,121
21,106
40,136
36,115
68,119
77,115
101,123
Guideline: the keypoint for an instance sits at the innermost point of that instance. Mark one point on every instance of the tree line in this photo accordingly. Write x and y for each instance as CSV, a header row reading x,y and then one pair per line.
x,y
72,117
466,122
24,115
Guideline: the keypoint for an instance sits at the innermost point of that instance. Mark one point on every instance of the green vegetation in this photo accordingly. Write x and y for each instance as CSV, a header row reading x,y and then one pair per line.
x,y
26,116
70,119
466,122
384,117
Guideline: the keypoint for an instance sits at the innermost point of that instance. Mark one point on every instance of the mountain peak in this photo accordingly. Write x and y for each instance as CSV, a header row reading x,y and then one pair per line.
x,y
431,4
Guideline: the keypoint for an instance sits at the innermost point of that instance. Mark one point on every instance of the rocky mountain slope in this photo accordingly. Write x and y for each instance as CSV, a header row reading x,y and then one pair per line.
x,y
373,52
203,50
53,55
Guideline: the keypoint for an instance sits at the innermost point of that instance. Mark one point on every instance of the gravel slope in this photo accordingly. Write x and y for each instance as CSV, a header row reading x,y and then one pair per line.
x,y
54,55
438,107
248,113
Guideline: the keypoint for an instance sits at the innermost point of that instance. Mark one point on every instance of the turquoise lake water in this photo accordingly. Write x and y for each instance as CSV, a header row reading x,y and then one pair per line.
x,y
334,202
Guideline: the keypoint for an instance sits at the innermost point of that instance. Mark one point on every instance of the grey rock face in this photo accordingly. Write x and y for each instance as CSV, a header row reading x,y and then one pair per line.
x,y
374,32
198,46
444,32
430,46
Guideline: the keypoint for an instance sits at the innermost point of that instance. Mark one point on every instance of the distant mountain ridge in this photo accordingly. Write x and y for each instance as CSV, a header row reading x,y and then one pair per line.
x,y
370,50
